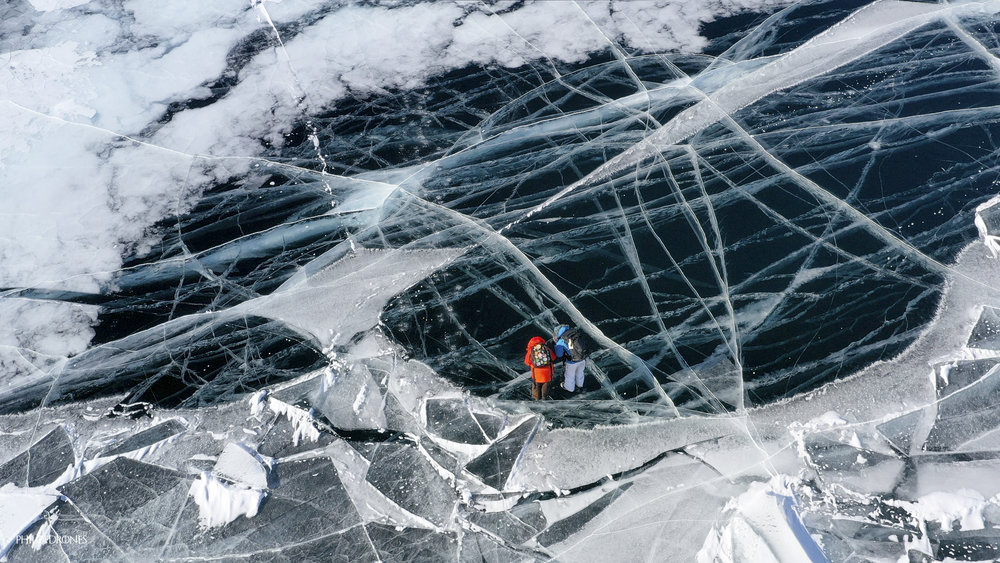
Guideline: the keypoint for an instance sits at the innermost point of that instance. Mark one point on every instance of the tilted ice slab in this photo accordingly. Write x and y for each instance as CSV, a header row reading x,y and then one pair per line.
x,y
338,296
346,297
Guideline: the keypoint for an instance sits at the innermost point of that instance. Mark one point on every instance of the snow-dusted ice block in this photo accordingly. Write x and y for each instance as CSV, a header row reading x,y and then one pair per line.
x,y
986,333
855,468
118,512
516,526
968,545
147,437
452,420
23,512
966,414
308,515
412,544
406,477
847,538
491,423
41,463
831,455
441,457
285,438
354,401
563,529
762,524
237,463
480,547
494,466
899,431
958,374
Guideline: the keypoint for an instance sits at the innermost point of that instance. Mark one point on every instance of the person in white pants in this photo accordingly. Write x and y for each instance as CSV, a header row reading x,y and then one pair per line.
x,y
574,375
573,372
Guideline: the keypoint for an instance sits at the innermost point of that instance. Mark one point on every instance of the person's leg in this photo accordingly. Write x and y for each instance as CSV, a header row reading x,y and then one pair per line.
x,y
569,380
545,390
574,375
579,373
535,389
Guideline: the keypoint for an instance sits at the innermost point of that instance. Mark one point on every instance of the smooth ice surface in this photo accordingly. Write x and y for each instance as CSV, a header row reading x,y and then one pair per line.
x,y
267,270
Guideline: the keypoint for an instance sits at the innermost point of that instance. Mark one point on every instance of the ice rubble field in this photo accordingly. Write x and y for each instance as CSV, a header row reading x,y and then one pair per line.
x,y
266,267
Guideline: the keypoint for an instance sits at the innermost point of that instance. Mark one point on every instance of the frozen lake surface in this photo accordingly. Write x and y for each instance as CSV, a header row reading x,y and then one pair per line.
x,y
268,268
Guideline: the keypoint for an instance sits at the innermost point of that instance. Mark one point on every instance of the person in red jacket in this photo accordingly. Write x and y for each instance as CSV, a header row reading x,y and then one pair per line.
x,y
538,357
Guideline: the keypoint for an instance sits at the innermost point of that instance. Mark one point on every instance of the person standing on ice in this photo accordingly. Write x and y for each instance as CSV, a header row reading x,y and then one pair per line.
x,y
570,348
539,358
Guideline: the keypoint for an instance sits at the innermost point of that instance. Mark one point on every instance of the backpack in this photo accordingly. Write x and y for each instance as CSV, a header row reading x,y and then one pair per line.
x,y
576,343
540,356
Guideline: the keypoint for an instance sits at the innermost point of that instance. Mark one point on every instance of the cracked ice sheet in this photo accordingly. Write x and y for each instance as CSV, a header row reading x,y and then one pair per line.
x,y
273,81
80,81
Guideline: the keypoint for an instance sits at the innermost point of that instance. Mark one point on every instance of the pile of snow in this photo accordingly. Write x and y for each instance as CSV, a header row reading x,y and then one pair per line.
x,y
219,502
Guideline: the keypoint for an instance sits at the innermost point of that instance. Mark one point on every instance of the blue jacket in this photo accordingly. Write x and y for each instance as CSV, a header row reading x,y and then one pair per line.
x,y
561,348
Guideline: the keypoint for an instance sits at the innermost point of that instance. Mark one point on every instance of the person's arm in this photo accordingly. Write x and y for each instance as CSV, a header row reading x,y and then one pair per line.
x,y
561,352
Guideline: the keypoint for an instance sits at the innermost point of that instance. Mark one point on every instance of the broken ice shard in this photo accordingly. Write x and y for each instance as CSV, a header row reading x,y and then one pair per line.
x,y
496,463
986,333
146,437
41,463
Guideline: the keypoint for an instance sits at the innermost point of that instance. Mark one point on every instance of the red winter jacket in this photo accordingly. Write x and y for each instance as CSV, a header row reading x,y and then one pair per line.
x,y
542,374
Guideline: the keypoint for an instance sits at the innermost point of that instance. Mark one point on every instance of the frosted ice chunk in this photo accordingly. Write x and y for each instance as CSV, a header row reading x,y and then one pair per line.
x,y
308,516
397,418
495,465
857,469
146,438
239,464
479,547
966,414
122,509
973,545
121,487
899,431
762,524
405,476
515,526
412,544
452,420
283,439
958,374
42,463
355,400
847,537
345,298
563,529
491,423
986,333
301,416
827,454
442,458
988,223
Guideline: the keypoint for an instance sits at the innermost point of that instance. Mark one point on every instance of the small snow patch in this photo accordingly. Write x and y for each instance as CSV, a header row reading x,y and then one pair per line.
x,y
220,503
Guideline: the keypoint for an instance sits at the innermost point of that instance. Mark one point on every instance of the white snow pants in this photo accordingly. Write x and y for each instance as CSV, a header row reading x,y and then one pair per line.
x,y
574,375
